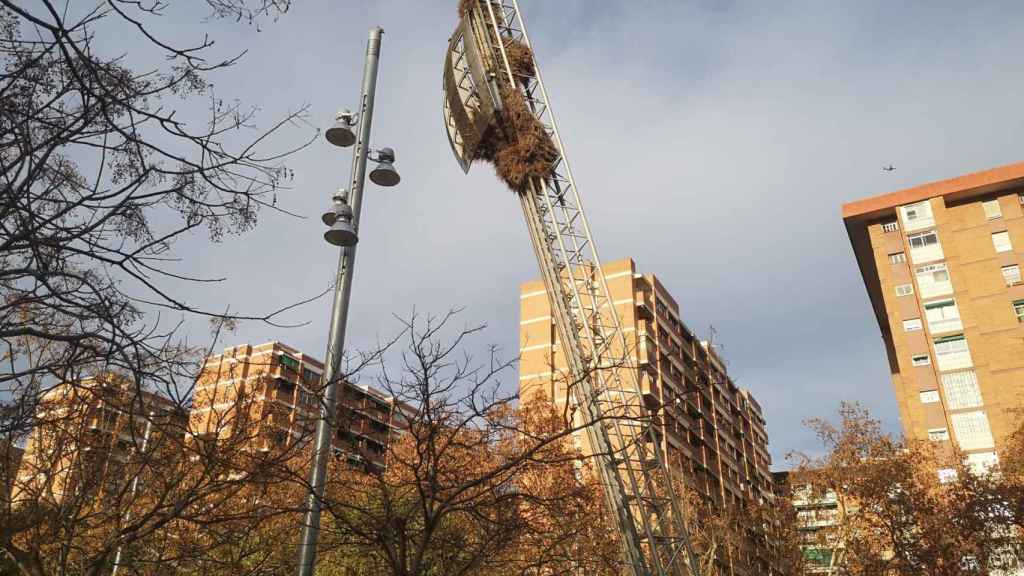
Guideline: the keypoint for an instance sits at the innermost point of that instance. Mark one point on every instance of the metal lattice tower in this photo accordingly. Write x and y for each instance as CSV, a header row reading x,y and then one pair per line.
x,y
623,435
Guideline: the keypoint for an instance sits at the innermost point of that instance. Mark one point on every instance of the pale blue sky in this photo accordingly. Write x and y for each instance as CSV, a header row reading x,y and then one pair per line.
x,y
725,135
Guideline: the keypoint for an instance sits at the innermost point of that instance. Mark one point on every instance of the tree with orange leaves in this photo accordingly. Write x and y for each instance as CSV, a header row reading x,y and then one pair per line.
x,y
896,515
474,485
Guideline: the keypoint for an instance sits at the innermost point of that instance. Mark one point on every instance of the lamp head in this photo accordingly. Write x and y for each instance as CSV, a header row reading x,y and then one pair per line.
x,y
341,134
341,233
384,173
386,155
339,208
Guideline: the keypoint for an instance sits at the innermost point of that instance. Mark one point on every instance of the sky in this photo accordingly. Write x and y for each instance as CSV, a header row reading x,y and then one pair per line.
x,y
713,142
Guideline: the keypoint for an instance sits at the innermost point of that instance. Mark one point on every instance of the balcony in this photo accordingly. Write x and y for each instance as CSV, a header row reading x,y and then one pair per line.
x,y
945,325
647,352
643,310
952,353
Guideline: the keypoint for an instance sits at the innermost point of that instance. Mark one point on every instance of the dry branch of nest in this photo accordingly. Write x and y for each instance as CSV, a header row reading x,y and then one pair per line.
x,y
520,58
517,143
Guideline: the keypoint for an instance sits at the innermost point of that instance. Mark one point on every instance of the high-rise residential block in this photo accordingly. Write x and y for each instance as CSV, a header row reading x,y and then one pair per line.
x,y
85,432
942,266
713,433
260,396
268,393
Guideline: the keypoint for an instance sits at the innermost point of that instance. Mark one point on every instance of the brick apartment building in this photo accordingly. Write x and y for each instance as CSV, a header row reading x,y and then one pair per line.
x,y
84,432
270,390
714,433
817,518
264,393
942,266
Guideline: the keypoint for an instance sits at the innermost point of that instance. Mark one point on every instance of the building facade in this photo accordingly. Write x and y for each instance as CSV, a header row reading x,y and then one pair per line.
x,y
269,393
942,266
85,432
713,433
817,521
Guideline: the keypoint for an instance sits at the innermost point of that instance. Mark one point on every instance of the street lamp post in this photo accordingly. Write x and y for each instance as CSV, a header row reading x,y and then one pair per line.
x,y
343,219
134,489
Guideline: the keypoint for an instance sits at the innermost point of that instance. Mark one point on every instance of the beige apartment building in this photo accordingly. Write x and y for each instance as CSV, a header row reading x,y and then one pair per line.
x,y
713,433
942,266
84,433
268,392
264,395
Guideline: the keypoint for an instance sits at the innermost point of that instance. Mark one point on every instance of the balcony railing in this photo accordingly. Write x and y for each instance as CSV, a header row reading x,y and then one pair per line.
x,y
945,325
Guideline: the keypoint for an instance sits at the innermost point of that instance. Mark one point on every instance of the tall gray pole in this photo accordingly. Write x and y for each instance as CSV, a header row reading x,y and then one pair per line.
x,y
339,316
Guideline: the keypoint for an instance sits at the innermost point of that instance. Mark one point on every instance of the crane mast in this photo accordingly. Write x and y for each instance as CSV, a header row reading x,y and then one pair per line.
x,y
490,76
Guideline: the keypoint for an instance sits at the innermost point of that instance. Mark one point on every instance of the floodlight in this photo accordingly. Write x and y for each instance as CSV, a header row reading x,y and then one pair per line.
x,y
384,174
330,216
342,233
341,134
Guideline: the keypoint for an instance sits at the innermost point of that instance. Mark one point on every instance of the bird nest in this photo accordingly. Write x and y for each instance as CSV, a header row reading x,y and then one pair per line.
x,y
515,141
520,58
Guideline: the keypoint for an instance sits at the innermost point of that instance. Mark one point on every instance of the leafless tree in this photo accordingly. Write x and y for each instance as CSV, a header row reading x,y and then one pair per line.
x,y
105,164
103,168
479,482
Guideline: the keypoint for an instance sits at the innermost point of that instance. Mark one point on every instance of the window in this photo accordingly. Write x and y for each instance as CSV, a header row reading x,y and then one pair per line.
x,y
933,280
924,246
309,376
917,216
972,430
1011,274
288,362
1001,240
890,226
943,316
1018,309
920,360
952,353
992,210
938,434
904,289
961,390
897,258
912,325
307,398
923,239
818,557
929,396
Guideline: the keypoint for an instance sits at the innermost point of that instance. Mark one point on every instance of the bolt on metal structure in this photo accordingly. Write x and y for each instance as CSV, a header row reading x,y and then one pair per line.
x,y
343,219
622,429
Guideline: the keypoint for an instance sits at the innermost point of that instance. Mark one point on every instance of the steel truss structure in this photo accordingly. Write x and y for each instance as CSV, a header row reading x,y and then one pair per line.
x,y
622,431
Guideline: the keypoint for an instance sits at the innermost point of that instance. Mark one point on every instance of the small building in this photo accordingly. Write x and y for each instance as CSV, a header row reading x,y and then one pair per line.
x,y
817,517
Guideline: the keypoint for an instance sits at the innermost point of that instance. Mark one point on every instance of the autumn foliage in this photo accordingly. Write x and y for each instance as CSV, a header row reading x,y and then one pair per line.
x,y
897,515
